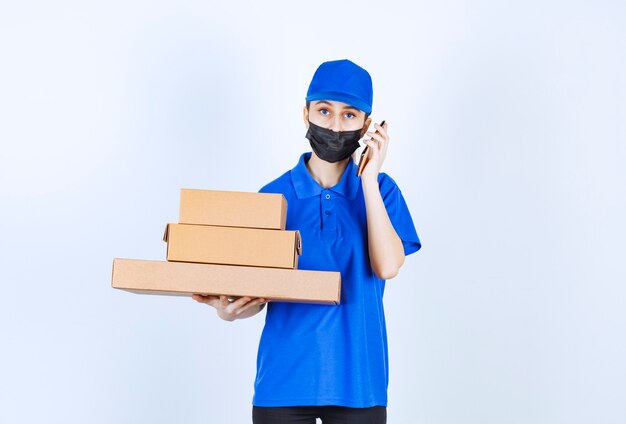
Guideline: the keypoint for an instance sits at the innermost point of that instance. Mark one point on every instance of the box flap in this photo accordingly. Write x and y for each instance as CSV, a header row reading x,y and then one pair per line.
x,y
113,273
165,234
298,243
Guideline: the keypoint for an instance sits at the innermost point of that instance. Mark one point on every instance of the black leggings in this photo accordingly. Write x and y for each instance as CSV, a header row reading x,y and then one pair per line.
x,y
328,414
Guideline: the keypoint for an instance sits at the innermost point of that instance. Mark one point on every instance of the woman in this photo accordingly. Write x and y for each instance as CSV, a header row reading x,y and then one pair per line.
x,y
326,361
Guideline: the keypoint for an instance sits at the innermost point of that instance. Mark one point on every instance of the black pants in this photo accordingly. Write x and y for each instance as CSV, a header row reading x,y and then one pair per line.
x,y
328,414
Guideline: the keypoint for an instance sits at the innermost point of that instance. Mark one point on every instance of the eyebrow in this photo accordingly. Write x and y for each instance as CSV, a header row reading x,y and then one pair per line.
x,y
327,103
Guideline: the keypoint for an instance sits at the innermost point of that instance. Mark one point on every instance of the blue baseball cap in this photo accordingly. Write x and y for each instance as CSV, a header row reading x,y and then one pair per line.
x,y
342,81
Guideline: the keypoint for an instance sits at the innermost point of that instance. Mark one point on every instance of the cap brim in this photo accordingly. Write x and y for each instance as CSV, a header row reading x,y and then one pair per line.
x,y
341,97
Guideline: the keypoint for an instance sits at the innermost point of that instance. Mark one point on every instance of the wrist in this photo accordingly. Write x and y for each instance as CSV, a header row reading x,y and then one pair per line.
x,y
369,181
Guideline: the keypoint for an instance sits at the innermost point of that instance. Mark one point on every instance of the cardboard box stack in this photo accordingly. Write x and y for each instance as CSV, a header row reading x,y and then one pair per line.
x,y
230,243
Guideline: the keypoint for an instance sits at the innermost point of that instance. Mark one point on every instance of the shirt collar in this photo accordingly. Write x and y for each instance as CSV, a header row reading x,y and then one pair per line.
x,y
306,186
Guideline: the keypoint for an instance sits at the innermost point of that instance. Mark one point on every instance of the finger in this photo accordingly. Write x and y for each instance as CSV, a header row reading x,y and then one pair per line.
x,y
224,302
377,136
234,306
381,129
375,151
213,301
202,298
241,301
248,305
374,147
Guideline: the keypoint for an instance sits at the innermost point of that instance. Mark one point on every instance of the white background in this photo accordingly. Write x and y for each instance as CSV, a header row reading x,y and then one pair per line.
x,y
507,125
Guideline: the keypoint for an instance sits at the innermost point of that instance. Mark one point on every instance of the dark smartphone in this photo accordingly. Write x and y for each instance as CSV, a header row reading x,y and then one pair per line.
x,y
363,159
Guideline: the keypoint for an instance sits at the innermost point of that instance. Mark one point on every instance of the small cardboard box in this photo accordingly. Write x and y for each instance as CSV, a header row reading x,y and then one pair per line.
x,y
233,209
184,279
232,245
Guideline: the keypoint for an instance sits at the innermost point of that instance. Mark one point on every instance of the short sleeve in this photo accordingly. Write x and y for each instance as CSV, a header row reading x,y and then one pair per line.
x,y
399,214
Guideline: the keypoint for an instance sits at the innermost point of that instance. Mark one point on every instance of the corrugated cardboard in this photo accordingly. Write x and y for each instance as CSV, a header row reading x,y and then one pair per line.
x,y
233,209
184,279
232,245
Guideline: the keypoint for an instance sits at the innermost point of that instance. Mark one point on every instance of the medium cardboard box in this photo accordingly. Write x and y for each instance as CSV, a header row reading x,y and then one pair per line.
x,y
233,209
232,245
184,279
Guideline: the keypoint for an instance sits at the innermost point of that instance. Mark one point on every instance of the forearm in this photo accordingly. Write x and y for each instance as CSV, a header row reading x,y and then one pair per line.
x,y
385,247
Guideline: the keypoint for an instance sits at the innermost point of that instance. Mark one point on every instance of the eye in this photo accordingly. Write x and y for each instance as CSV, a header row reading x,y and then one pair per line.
x,y
324,110
349,113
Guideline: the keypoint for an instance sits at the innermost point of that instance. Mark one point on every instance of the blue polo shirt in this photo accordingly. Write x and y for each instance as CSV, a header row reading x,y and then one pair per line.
x,y
324,354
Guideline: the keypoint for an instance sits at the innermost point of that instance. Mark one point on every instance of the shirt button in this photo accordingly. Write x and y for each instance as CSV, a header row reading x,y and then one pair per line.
x,y
328,196
327,212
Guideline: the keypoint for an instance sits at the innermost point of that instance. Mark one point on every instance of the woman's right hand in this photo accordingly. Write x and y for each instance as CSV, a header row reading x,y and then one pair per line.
x,y
244,307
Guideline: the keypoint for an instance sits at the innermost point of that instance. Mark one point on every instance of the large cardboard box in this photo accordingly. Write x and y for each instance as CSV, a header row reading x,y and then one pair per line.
x,y
232,245
233,209
184,279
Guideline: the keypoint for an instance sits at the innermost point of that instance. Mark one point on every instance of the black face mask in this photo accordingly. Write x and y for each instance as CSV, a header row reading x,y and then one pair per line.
x,y
332,146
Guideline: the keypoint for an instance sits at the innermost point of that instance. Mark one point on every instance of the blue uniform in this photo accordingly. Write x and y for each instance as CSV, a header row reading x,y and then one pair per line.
x,y
323,354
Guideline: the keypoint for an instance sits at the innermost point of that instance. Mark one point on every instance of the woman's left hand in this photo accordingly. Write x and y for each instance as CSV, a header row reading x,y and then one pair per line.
x,y
377,151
